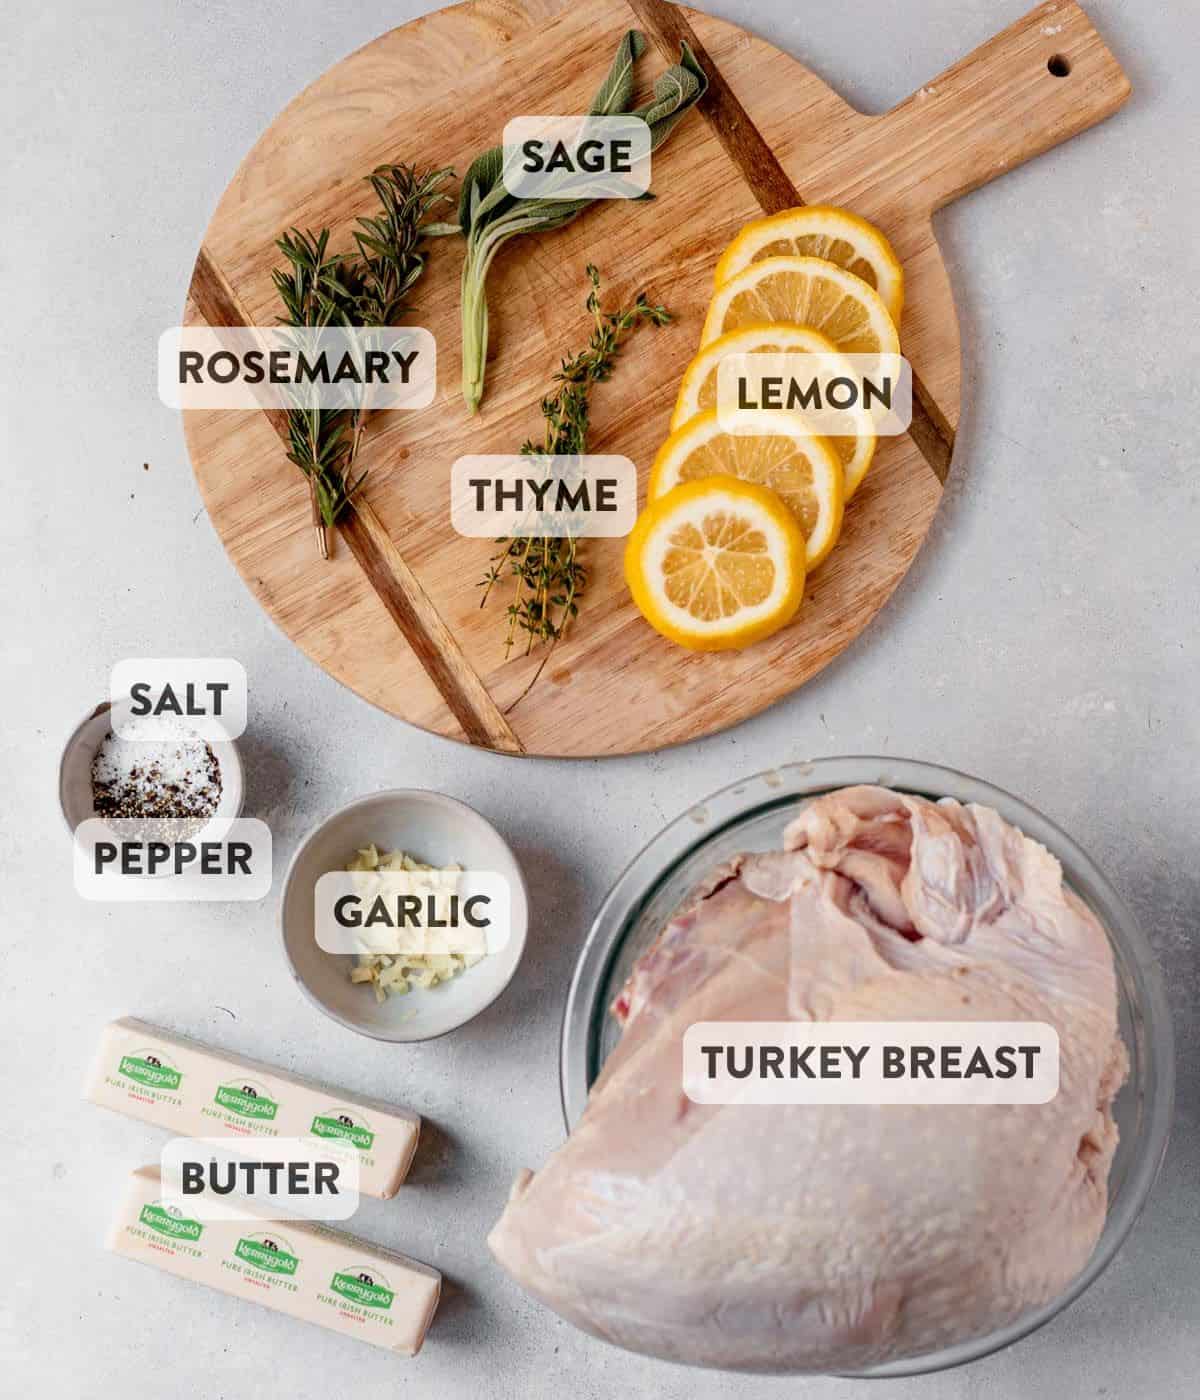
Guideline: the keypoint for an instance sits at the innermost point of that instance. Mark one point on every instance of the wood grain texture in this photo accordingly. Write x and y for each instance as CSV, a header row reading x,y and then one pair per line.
x,y
395,614
382,563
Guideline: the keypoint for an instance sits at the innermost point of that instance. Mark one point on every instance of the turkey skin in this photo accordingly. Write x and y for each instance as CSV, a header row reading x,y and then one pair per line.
x,y
830,1238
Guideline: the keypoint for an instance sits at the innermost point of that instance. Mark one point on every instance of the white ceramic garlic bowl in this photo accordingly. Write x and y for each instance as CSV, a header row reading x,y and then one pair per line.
x,y
432,828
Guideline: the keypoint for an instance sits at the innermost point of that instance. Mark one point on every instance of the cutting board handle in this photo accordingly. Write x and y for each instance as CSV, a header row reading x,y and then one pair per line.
x,y
1043,80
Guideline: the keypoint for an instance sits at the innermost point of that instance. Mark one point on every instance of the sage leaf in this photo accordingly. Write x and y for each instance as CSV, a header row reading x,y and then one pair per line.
x,y
489,216
481,178
616,91
678,89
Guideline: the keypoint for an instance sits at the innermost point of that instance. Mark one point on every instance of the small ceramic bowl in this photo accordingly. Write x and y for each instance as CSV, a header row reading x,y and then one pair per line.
x,y
440,831
75,770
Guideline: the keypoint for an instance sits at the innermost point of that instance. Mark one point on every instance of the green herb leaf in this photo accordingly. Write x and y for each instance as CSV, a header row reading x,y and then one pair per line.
x,y
547,573
489,216
369,289
677,90
615,93
483,174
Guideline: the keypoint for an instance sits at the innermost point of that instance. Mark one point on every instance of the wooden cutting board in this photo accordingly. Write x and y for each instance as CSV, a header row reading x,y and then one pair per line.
x,y
395,613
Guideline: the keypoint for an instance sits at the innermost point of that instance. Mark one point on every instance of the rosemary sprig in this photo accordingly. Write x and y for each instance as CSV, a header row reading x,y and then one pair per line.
x,y
314,295
489,216
391,255
548,576
319,289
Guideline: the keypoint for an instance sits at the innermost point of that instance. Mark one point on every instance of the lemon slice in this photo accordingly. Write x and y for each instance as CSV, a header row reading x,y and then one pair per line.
x,y
770,448
716,564
698,391
821,231
804,292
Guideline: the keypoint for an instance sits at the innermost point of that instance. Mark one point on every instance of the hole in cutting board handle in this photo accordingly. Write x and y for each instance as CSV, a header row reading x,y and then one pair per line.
x,y
1059,65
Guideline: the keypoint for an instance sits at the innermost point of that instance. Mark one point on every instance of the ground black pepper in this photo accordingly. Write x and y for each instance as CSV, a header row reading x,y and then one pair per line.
x,y
155,778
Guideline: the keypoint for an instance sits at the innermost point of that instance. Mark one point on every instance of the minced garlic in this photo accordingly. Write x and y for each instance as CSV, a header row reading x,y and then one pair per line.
x,y
394,974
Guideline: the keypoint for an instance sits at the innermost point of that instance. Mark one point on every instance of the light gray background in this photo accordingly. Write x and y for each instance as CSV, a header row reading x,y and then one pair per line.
x,y
1046,640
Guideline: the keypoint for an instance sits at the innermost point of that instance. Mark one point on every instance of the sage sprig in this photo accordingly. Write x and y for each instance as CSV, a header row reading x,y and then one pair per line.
x,y
489,216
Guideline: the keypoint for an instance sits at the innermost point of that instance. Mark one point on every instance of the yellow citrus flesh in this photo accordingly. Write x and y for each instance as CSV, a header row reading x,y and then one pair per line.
x,y
698,390
716,565
821,231
771,449
804,292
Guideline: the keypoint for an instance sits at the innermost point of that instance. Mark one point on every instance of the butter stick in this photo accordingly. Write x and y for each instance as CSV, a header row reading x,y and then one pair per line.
x,y
295,1267
192,1091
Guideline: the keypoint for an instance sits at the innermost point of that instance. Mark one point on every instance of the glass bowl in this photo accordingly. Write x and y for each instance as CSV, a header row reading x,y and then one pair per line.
x,y
751,816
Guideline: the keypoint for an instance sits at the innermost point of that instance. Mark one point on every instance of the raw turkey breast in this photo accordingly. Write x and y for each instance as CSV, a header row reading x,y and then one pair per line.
x,y
801,1238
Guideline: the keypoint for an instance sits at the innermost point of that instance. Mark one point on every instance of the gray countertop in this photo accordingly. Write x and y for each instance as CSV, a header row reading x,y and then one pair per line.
x,y
1046,640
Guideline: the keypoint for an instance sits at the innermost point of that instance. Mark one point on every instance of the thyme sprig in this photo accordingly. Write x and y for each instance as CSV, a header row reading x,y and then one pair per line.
x,y
320,289
547,574
314,294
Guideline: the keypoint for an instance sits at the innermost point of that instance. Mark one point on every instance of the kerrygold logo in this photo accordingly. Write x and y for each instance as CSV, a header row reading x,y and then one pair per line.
x,y
336,1123
246,1100
267,1252
174,1227
362,1288
146,1068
